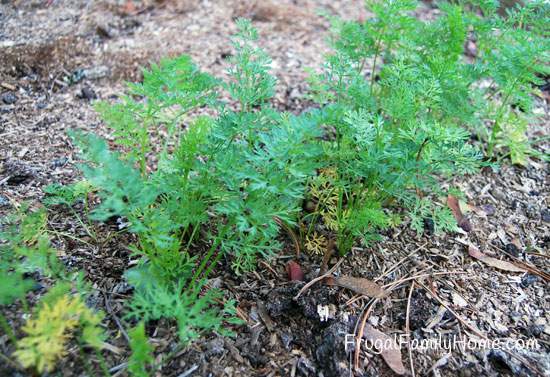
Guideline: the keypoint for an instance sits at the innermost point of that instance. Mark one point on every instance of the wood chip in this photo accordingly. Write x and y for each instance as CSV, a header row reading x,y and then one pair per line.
x,y
266,319
7,86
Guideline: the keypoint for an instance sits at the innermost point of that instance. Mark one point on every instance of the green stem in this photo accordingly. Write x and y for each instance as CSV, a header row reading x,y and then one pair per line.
x,y
102,363
376,52
7,328
208,255
496,127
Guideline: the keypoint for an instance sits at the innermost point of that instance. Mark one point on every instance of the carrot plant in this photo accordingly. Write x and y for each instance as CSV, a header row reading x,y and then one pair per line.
x,y
199,179
398,101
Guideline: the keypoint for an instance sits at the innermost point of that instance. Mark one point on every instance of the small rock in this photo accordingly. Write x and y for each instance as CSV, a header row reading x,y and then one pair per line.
x,y
286,339
306,367
215,347
528,279
489,209
531,211
77,76
59,162
4,202
105,31
512,249
95,73
498,194
535,330
9,98
87,93
545,215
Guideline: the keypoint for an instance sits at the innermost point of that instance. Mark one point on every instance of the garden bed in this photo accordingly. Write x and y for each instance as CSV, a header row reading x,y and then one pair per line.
x,y
58,58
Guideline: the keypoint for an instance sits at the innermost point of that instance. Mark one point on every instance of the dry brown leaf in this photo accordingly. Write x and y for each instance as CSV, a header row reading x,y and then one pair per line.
x,y
294,271
392,354
461,220
359,285
493,262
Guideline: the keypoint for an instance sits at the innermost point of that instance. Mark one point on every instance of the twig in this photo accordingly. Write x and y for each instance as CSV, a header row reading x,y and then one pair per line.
x,y
408,329
360,332
115,317
328,274
189,371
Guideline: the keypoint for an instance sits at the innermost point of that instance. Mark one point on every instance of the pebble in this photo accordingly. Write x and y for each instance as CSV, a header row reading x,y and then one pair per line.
x,y
215,347
4,202
512,249
489,209
531,211
59,162
9,98
528,279
87,93
95,73
498,194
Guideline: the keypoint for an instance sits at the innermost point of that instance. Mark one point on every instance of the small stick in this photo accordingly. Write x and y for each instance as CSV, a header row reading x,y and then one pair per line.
x,y
115,317
328,274
360,334
407,327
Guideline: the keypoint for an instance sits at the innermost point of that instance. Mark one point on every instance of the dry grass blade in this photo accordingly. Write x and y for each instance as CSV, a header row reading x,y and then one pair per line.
x,y
291,233
493,262
407,327
360,332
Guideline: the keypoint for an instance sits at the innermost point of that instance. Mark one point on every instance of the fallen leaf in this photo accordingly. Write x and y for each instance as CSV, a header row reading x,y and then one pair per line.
x,y
391,354
461,220
359,285
294,271
493,262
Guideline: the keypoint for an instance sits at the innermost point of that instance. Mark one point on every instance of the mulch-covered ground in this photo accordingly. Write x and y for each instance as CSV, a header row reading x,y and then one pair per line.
x,y
57,57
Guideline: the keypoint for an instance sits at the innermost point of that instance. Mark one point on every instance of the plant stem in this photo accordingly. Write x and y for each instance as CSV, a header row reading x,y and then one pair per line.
x,y
7,328
376,52
496,126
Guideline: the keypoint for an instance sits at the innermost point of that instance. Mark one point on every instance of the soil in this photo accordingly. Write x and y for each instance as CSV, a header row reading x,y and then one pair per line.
x,y
58,56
